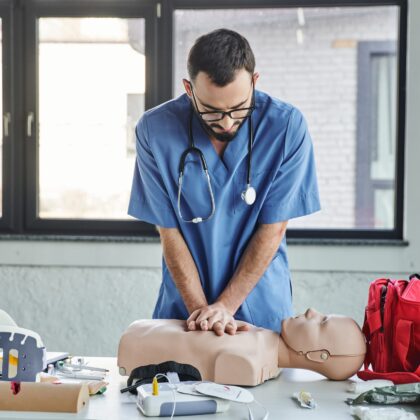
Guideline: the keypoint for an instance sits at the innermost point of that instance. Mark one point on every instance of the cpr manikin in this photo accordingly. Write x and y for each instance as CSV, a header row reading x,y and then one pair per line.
x,y
332,345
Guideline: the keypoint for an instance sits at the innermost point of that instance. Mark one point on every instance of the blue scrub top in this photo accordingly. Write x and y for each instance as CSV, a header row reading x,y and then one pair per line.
x,y
283,174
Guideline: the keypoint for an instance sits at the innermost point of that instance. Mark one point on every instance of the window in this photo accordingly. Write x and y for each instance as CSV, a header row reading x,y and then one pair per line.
x,y
309,57
377,79
88,67
91,77
87,73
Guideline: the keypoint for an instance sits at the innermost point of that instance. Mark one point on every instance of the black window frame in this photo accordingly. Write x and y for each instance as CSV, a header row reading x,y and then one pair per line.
x,y
6,219
355,233
20,209
46,8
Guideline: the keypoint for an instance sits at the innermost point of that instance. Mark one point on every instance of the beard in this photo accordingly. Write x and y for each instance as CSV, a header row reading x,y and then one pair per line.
x,y
221,136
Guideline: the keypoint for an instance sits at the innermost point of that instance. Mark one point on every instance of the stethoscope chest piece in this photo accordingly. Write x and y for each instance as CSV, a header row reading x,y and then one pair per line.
x,y
249,195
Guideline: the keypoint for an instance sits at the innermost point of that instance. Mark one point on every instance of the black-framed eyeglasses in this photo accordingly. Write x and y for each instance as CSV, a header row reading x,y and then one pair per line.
x,y
235,114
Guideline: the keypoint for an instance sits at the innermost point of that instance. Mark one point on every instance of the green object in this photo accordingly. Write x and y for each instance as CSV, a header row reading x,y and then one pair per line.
x,y
396,394
101,390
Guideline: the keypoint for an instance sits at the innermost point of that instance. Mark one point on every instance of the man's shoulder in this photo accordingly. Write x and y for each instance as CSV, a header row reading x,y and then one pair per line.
x,y
174,107
164,119
273,107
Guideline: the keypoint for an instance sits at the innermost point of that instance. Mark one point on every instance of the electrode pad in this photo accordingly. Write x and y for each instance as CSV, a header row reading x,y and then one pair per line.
x,y
226,392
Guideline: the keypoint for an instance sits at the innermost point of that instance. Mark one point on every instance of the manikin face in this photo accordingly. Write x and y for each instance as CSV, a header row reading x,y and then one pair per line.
x,y
210,97
313,331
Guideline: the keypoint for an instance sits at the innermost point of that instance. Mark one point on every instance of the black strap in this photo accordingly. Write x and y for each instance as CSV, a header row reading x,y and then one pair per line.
x,y
144,374
414,276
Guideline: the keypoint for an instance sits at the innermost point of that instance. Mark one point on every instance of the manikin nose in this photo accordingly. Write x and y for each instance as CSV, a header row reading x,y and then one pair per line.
x,y
312,313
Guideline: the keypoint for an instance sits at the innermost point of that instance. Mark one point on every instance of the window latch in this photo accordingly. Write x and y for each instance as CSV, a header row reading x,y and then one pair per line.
x,y
29,122
6,124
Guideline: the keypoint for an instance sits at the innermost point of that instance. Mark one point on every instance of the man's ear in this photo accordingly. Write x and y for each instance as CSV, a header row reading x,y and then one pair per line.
x,y
255,77
187,86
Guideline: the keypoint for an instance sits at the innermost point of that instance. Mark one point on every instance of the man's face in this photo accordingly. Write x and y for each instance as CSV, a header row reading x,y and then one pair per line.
x,y
211,98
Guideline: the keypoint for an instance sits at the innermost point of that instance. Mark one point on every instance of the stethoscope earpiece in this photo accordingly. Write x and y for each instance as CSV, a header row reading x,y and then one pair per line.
x,y
249,195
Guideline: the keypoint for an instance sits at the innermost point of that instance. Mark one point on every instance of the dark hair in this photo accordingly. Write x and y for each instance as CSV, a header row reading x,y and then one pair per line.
x,y
220,54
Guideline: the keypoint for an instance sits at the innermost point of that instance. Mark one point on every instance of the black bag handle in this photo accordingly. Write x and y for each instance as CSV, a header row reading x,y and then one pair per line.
x,y
414,276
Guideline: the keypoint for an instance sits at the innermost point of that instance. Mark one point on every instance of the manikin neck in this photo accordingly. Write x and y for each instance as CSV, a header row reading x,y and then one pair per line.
x,y
284,355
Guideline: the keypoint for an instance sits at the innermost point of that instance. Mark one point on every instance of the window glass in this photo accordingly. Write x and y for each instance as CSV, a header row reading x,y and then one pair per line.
x,y
91,95
382,162
309,58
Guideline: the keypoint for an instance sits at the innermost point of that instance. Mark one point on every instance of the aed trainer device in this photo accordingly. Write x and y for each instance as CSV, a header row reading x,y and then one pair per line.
x,y
162,404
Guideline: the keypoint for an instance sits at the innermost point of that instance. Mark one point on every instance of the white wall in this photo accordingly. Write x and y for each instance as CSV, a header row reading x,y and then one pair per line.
x,y
81,295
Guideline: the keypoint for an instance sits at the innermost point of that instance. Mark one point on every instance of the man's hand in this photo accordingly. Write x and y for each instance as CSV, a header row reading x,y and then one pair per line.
x,y
214,317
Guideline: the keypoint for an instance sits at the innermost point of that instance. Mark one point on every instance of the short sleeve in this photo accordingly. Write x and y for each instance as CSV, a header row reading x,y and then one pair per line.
x,y
294,190
149,200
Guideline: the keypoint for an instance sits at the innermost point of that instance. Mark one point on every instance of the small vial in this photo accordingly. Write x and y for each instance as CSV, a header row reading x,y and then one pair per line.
x,y
51,369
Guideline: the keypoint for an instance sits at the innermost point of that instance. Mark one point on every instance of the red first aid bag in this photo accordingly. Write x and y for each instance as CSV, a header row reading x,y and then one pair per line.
x,y
392,331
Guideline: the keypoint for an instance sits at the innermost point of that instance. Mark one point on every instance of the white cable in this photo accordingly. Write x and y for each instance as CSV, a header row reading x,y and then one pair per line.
x,y
250,416
173,392
266,411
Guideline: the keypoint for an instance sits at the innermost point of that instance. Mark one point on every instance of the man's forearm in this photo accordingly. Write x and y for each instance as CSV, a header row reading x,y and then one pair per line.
x,y
255,260
182,267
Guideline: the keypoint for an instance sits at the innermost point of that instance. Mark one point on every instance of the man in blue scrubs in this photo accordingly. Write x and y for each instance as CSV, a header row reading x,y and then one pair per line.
x,y
233,264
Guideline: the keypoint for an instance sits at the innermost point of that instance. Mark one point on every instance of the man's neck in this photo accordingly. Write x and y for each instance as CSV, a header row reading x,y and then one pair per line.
x,y
220,146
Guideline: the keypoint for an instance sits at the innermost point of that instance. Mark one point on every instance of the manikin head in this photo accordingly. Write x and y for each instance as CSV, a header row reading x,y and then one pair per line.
x,y
221,68
332,345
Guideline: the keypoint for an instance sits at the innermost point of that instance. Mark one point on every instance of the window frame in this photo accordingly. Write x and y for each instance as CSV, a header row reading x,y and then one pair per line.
x,y
49,8
20,209
356,233
6,219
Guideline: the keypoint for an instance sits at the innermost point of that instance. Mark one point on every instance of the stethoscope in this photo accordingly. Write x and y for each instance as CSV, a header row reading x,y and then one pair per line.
x,y
249,195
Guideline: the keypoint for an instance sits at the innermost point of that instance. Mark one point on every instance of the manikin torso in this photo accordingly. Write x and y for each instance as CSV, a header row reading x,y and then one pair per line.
x,y
331,345
250,357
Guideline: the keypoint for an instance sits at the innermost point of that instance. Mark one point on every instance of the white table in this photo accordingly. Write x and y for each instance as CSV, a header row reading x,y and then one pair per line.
x,y
275,395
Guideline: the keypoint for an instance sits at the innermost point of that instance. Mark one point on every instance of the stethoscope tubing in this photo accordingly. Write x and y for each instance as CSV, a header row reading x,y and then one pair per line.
x,y
195,150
